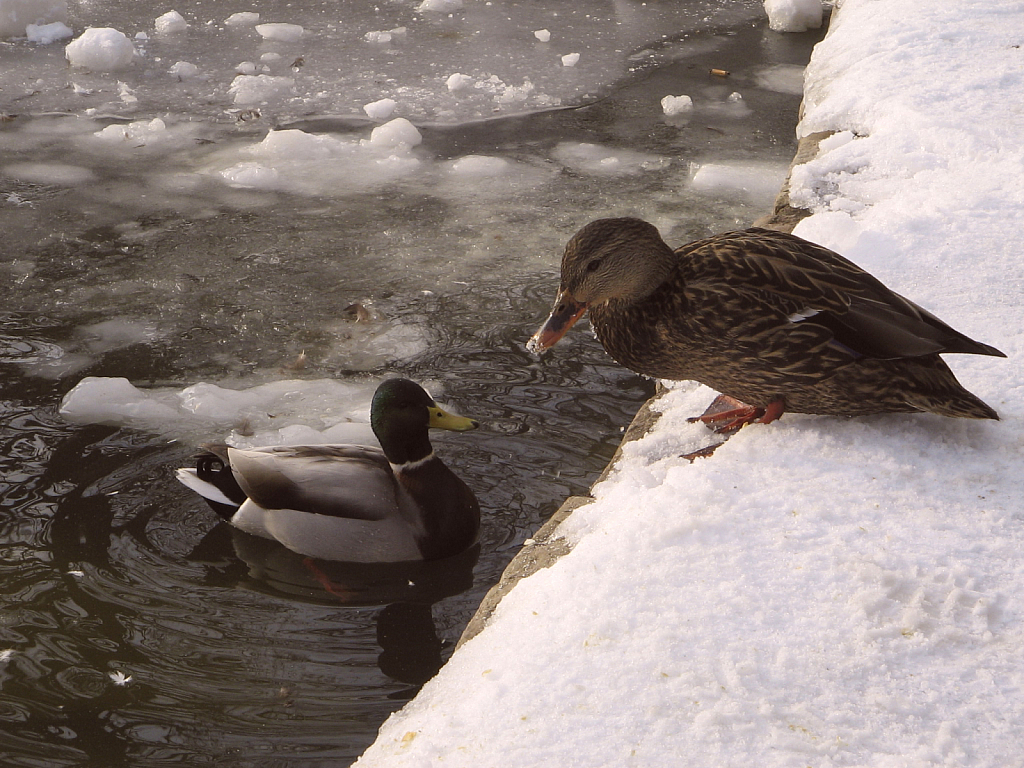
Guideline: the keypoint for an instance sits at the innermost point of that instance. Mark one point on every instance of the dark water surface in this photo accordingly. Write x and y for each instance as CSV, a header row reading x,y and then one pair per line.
x,y
240,654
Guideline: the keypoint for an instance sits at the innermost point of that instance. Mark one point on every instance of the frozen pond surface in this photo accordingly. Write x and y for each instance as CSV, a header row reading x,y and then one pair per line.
x,y
152,231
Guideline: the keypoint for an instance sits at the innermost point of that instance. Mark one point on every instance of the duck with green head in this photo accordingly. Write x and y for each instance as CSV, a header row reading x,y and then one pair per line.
x,y
350,503
772,321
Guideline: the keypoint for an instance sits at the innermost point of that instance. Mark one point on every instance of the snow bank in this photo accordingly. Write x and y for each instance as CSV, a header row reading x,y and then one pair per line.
x,y
827,592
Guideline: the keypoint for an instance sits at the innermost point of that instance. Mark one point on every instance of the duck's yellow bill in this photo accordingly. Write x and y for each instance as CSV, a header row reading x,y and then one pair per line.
x,y
441,419
564,315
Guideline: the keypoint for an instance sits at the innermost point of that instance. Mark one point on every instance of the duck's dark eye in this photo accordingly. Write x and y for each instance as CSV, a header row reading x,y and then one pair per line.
x,y
594,265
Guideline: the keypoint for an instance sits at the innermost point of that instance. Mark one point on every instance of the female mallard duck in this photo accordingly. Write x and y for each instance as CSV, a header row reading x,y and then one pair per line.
x,y
350,502
772,321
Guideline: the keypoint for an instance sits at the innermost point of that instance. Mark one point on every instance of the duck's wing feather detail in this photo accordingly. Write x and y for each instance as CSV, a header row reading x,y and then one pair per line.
x,y
345,481
813,285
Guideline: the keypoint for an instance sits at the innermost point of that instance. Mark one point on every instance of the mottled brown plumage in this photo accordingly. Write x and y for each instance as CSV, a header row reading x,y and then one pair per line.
x,y
765,317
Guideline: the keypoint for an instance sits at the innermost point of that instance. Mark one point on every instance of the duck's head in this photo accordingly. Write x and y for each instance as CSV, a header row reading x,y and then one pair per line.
x,y
623,259
400,415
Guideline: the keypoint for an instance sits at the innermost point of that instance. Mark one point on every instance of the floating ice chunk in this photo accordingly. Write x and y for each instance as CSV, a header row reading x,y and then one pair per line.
x,y
395,133
116,333
479,166
323,410
459,82
781,78
113,401
126,94
170,23
570,59
184,70
308,163
102,49
259,89
377,37
153,135
246,68
675,105
16,15
138,132
140,35
543,35
284,33
243,19
269,57
513,93
753,182
793,15
61,174
439,6
380,110
735,97
252,175
44,34
593,158
399,32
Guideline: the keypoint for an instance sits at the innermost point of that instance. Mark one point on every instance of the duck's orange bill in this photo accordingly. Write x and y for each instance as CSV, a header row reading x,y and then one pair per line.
x,y
565,313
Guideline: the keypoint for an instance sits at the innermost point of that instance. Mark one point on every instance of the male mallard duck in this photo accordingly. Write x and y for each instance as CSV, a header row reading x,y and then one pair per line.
x,y
350,502
772,321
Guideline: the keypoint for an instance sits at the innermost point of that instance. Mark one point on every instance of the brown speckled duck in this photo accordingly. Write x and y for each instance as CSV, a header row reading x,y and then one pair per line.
x,y
773,322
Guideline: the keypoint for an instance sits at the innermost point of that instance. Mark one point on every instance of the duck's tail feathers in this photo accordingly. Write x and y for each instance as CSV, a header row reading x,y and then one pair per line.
x,y
213,480
189,477
935,389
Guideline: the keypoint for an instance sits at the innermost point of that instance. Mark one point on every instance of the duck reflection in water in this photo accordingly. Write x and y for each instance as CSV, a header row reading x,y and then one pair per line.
x,y
411,651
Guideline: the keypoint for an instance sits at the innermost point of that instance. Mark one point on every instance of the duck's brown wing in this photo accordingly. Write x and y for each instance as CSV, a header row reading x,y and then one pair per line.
x,y
812,285
348,481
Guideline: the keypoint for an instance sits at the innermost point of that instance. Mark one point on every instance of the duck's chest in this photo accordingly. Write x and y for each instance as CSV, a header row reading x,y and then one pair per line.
x,y
656,337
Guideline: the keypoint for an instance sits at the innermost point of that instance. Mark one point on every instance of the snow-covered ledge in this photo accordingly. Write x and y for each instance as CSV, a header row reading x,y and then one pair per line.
x,y
821,592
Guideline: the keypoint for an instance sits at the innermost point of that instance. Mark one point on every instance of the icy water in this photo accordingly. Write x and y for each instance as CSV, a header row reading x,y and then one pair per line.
x,y
135,630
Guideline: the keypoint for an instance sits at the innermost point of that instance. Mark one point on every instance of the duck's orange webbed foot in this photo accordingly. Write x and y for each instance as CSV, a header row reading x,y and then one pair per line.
x,y
329,586
727,414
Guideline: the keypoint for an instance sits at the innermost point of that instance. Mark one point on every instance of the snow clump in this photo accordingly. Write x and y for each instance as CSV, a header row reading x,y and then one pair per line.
x,y
17,15
439,6
793,15
171,23
675,105
459,82
380,110
396,133
283,33
102,49
259,89
243,19
44,34
184,70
